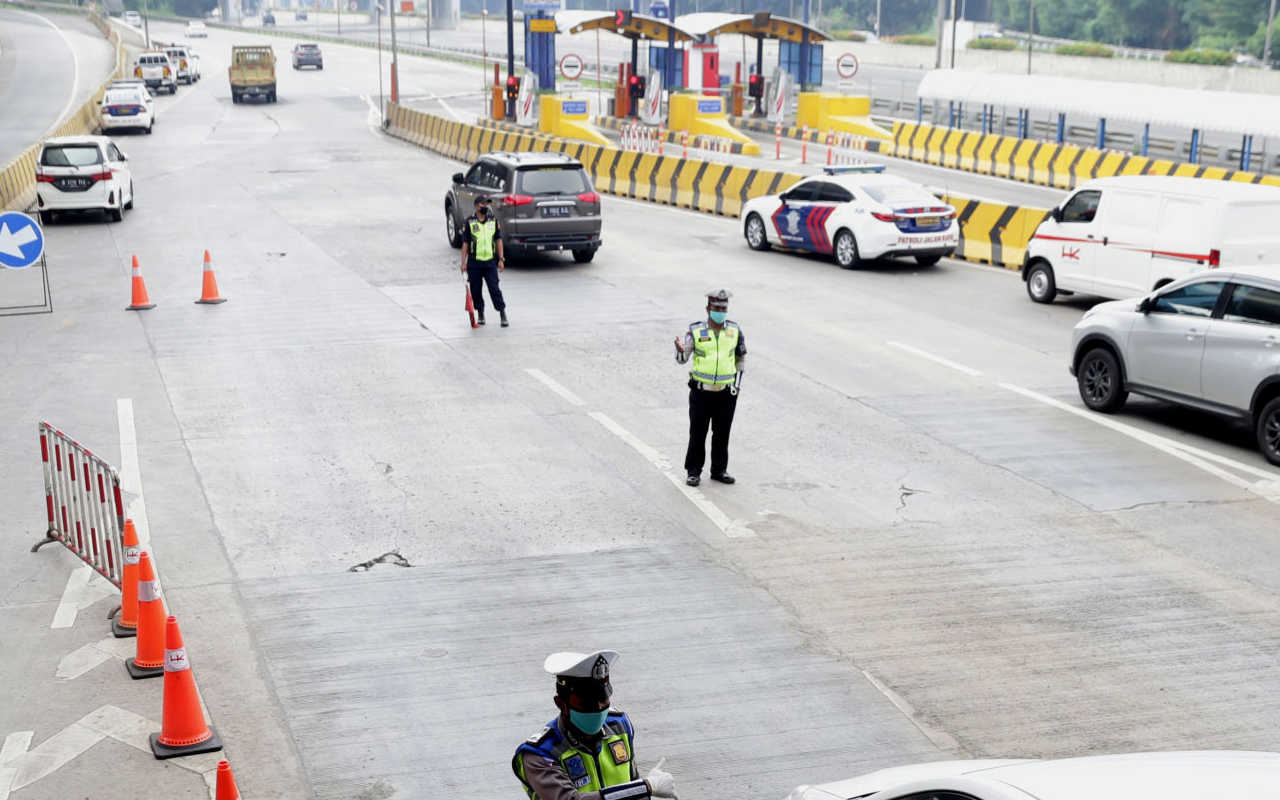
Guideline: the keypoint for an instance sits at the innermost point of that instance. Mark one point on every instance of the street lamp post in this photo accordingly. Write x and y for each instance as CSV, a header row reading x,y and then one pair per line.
x,y
382,104
484,45
395,62
511,55
1266,48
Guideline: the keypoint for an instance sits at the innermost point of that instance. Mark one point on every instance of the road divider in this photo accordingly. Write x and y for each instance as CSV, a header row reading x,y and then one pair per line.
x,y
991,233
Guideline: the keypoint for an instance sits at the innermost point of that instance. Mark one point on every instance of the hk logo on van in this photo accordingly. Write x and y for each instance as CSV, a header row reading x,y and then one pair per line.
x,y
1073,254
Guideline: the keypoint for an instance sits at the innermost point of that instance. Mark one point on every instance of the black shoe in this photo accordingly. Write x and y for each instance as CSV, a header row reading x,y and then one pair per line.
x,y
693,480
480,319
723,477
505,324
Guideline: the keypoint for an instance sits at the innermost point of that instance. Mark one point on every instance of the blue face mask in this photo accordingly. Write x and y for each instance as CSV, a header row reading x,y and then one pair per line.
x,y
718,317
588,723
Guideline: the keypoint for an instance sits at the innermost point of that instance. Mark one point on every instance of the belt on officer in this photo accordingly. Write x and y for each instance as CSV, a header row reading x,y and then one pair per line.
x,y
709,387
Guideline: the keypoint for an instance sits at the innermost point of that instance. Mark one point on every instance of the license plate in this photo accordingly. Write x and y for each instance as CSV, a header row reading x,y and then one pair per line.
x,y
73,183
556,211
927,222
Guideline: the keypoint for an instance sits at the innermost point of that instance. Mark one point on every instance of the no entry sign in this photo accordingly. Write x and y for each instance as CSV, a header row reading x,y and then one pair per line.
x,y
847,65
571,66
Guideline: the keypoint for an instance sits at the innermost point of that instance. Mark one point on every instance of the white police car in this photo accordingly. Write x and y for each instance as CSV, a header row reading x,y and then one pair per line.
x,y
855,214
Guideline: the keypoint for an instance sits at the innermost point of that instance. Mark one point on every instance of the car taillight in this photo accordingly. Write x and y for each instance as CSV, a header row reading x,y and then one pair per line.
x,y
137,72
884,217
101,176
43,178
1215,259
517,200
589,197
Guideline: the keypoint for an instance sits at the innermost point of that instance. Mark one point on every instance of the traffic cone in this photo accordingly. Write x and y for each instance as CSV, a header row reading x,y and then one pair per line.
x,y
140,300
149,660
226,783
183,731
126,624
209,292
470,308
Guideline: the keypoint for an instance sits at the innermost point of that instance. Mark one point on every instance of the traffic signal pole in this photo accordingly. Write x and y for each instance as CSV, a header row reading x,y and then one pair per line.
x,y
511,56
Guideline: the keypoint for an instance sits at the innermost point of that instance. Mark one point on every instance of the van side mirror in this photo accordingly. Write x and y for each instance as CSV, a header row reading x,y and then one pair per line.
x,y
458,178
1056,213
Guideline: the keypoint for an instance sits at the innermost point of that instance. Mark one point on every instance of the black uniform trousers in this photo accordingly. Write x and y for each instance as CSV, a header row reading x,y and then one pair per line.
x,y
480,273
714,410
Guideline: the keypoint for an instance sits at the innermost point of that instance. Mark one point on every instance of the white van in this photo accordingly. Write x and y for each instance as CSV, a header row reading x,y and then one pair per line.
x,y
1125,236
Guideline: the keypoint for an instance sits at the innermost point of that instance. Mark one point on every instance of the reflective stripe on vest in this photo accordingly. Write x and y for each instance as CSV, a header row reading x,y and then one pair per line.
x,y
482,234
589,772
715,359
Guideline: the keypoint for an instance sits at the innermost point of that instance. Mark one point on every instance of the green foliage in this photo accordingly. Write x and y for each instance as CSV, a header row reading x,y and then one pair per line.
x,y
992,44
914,38
848,36
1220,58
1092,49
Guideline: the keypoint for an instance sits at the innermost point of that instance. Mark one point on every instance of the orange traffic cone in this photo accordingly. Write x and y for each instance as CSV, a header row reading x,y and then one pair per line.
x,y
149,661
126,624
140,300
226,783
183,731
209,292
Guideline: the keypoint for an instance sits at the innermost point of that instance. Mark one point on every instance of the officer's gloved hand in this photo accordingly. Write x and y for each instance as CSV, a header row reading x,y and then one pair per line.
x,y
661,783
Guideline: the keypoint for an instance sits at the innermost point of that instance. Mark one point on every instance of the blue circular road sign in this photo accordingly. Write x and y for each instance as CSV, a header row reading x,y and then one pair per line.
x,y
21,240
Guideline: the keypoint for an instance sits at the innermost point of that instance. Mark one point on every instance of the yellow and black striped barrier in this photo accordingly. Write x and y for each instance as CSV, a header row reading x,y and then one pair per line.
x,y
1042,162
992,233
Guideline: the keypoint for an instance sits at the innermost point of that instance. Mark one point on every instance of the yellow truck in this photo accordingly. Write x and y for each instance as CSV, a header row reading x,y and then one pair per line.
x,y
252,73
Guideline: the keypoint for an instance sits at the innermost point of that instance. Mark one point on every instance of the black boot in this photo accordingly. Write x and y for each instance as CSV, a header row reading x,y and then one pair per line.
x,y
503,314
480,316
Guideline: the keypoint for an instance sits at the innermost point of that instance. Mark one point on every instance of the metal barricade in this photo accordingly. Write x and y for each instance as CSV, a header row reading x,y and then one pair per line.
x,y
82,498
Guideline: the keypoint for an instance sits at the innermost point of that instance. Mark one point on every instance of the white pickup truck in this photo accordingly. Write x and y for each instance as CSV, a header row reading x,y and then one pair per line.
x,y
156,70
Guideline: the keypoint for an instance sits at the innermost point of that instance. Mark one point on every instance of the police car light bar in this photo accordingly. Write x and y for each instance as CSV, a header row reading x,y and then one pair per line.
x,y
853,168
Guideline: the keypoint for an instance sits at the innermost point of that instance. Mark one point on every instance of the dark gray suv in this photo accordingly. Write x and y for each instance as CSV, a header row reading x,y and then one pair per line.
x,y
544,203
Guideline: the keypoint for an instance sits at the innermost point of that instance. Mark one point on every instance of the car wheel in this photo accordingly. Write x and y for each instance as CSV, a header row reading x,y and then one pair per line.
x,y
451,227
846,250
756,237
1269,431
1040,284
46,217
115,214
1101,386
583,256
928,261
129,205
149,128
235,98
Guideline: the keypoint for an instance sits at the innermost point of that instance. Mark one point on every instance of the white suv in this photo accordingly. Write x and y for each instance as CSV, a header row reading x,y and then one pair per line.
x,y
1210,341
82,173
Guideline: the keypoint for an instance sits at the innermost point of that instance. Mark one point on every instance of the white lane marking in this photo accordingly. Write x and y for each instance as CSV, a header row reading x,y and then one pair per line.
x,y
941,739
556,386
449,108
84,588
80,661
936,359
1268,489
15,746
130,473
75,71
731,528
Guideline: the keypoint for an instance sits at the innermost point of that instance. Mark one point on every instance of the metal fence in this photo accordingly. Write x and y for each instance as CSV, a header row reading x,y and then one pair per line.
x,y
82,498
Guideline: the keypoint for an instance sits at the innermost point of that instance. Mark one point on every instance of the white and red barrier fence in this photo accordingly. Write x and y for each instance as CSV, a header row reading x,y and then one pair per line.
x,y
639,138
842,148
82,498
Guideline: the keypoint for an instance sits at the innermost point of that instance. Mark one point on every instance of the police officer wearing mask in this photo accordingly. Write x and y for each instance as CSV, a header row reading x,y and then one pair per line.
x,y
481,245
585,753
717,348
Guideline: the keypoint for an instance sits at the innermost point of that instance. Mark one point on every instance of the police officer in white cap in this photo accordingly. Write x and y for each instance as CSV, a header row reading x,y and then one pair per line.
x,y
585,753
718,349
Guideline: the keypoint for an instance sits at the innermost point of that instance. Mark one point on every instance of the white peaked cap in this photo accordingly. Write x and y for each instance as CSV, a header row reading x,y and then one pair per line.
x,y
581,665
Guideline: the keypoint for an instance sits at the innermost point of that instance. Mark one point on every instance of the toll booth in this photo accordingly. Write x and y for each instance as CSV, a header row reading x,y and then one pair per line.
x,y
635,27
702,65
540,40
794,38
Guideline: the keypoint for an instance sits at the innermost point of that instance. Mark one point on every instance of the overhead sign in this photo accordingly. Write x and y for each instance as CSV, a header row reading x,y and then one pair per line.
x,y
542,25
651,109
406,6
541,5
571,66
21,240
847,65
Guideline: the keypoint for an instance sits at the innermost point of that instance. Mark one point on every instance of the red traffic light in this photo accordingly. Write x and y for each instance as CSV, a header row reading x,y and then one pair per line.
x,y
513,81
634,80
621,18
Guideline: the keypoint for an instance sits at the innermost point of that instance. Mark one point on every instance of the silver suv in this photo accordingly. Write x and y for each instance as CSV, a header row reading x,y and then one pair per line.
x,y
544,203
1210,341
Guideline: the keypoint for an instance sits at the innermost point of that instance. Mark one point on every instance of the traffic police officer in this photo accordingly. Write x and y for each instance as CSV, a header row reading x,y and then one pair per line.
x,y
481,241
585,753
717,348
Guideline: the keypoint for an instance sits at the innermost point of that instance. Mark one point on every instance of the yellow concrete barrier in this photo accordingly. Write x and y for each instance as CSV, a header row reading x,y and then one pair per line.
x,y
567,117
705,116
843,113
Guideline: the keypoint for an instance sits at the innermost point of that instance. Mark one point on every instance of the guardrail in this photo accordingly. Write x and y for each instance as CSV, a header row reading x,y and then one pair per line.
x,y
18,178
82,498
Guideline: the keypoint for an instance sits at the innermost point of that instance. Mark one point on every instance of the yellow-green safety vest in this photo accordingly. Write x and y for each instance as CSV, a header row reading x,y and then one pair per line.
x,y
589,772
715,359
482,236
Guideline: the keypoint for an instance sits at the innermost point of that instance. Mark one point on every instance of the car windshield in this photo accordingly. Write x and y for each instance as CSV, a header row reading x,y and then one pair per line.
x,y
71,155
553,180
310,47
121,96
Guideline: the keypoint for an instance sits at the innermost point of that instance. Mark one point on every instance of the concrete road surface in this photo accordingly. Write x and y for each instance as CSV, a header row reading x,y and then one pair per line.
x,y
50,64
932,550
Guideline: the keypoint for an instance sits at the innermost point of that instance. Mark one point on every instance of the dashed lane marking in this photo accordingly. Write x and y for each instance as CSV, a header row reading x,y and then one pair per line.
x,y
946,362
556,387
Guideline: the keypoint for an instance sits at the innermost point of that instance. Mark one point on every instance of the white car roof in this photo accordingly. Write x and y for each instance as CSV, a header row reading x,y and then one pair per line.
x,y
1199,187
853,180
85,139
